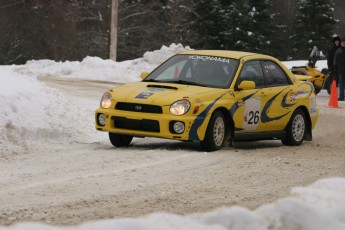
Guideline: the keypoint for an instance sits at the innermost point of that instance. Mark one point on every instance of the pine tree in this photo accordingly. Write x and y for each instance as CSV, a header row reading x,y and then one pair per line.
x,y
235,19
252,27
284,12
203,24
260,25
313,27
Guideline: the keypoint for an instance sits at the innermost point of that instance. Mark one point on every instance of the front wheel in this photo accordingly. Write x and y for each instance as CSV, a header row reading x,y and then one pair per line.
x,y
120,140
296,129
215,133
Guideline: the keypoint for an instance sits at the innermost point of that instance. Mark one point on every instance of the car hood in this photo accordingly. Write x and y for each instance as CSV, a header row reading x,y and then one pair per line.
x,y
161,93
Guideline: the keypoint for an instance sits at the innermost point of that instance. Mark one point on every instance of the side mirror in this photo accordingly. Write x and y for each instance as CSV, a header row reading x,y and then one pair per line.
x,y
143,75
246,85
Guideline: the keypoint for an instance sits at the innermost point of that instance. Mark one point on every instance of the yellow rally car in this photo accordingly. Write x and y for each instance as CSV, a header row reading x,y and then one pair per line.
x,y
211,97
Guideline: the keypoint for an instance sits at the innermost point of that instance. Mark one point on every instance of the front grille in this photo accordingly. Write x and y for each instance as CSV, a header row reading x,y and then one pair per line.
x,y
135,107
132,124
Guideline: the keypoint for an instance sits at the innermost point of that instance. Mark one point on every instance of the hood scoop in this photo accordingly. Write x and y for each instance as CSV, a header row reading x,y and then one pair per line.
x,y
162,87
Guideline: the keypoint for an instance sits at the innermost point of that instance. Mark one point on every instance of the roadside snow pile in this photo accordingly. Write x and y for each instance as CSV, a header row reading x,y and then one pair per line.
x,y
30,112
158,56
320,206
95,68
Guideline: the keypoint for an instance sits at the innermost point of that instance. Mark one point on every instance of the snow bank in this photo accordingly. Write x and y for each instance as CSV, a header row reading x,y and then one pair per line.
x,y
320,206
32,112
94,68
158,56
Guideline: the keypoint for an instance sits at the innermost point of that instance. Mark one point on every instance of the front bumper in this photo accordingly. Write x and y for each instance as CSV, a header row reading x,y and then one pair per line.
x,y
147,124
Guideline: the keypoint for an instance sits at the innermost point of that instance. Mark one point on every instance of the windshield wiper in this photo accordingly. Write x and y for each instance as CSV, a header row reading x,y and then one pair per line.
x,y
151,80
182,82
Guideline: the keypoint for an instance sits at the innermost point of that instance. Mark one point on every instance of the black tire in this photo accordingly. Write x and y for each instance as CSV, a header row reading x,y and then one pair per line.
x,y
296,129
120,140
215,134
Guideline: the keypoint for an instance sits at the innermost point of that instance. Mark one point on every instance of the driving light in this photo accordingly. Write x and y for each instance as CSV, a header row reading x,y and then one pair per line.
x,y
180,107
106,101
101,119
178,127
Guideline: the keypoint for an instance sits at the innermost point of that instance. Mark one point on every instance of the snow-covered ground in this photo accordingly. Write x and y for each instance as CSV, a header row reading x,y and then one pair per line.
x,y
320,206
33,114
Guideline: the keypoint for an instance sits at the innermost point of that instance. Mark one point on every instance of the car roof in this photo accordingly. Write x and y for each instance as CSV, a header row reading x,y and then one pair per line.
x,y
224,53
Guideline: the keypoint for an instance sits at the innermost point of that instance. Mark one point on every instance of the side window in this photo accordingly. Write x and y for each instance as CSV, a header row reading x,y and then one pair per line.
x,y
275,76
252,71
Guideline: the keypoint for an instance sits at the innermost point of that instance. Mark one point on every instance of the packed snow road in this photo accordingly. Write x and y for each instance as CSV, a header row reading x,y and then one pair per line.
x,y
82,179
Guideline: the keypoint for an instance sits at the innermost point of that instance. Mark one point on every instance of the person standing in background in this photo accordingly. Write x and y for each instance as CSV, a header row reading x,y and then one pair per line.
x,y
339,68
331,53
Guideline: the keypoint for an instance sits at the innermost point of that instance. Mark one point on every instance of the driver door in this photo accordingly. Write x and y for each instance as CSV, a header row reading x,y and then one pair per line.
x,y
247,115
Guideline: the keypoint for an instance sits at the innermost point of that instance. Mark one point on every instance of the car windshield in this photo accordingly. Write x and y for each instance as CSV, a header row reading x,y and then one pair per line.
x,y
208,71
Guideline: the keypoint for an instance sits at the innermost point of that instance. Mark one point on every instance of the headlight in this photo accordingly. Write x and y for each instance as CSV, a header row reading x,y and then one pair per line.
x,y
106,101
180,107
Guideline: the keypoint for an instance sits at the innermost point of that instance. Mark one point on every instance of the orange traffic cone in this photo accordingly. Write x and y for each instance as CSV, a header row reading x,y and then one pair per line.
x,y
333,99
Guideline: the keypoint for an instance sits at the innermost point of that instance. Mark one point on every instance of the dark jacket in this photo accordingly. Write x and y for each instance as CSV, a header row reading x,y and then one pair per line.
x,y
330,57
339,62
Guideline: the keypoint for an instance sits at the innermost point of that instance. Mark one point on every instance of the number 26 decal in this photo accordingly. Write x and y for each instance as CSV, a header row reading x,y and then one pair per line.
x,y
253,117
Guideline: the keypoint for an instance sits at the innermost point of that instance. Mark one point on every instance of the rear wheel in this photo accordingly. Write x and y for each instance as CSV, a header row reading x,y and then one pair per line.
x,y
120,140
296,129
215,133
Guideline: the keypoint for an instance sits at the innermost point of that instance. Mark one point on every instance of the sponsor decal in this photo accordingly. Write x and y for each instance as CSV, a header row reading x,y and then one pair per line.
x,y
311,86
144,95
209,58
300,93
